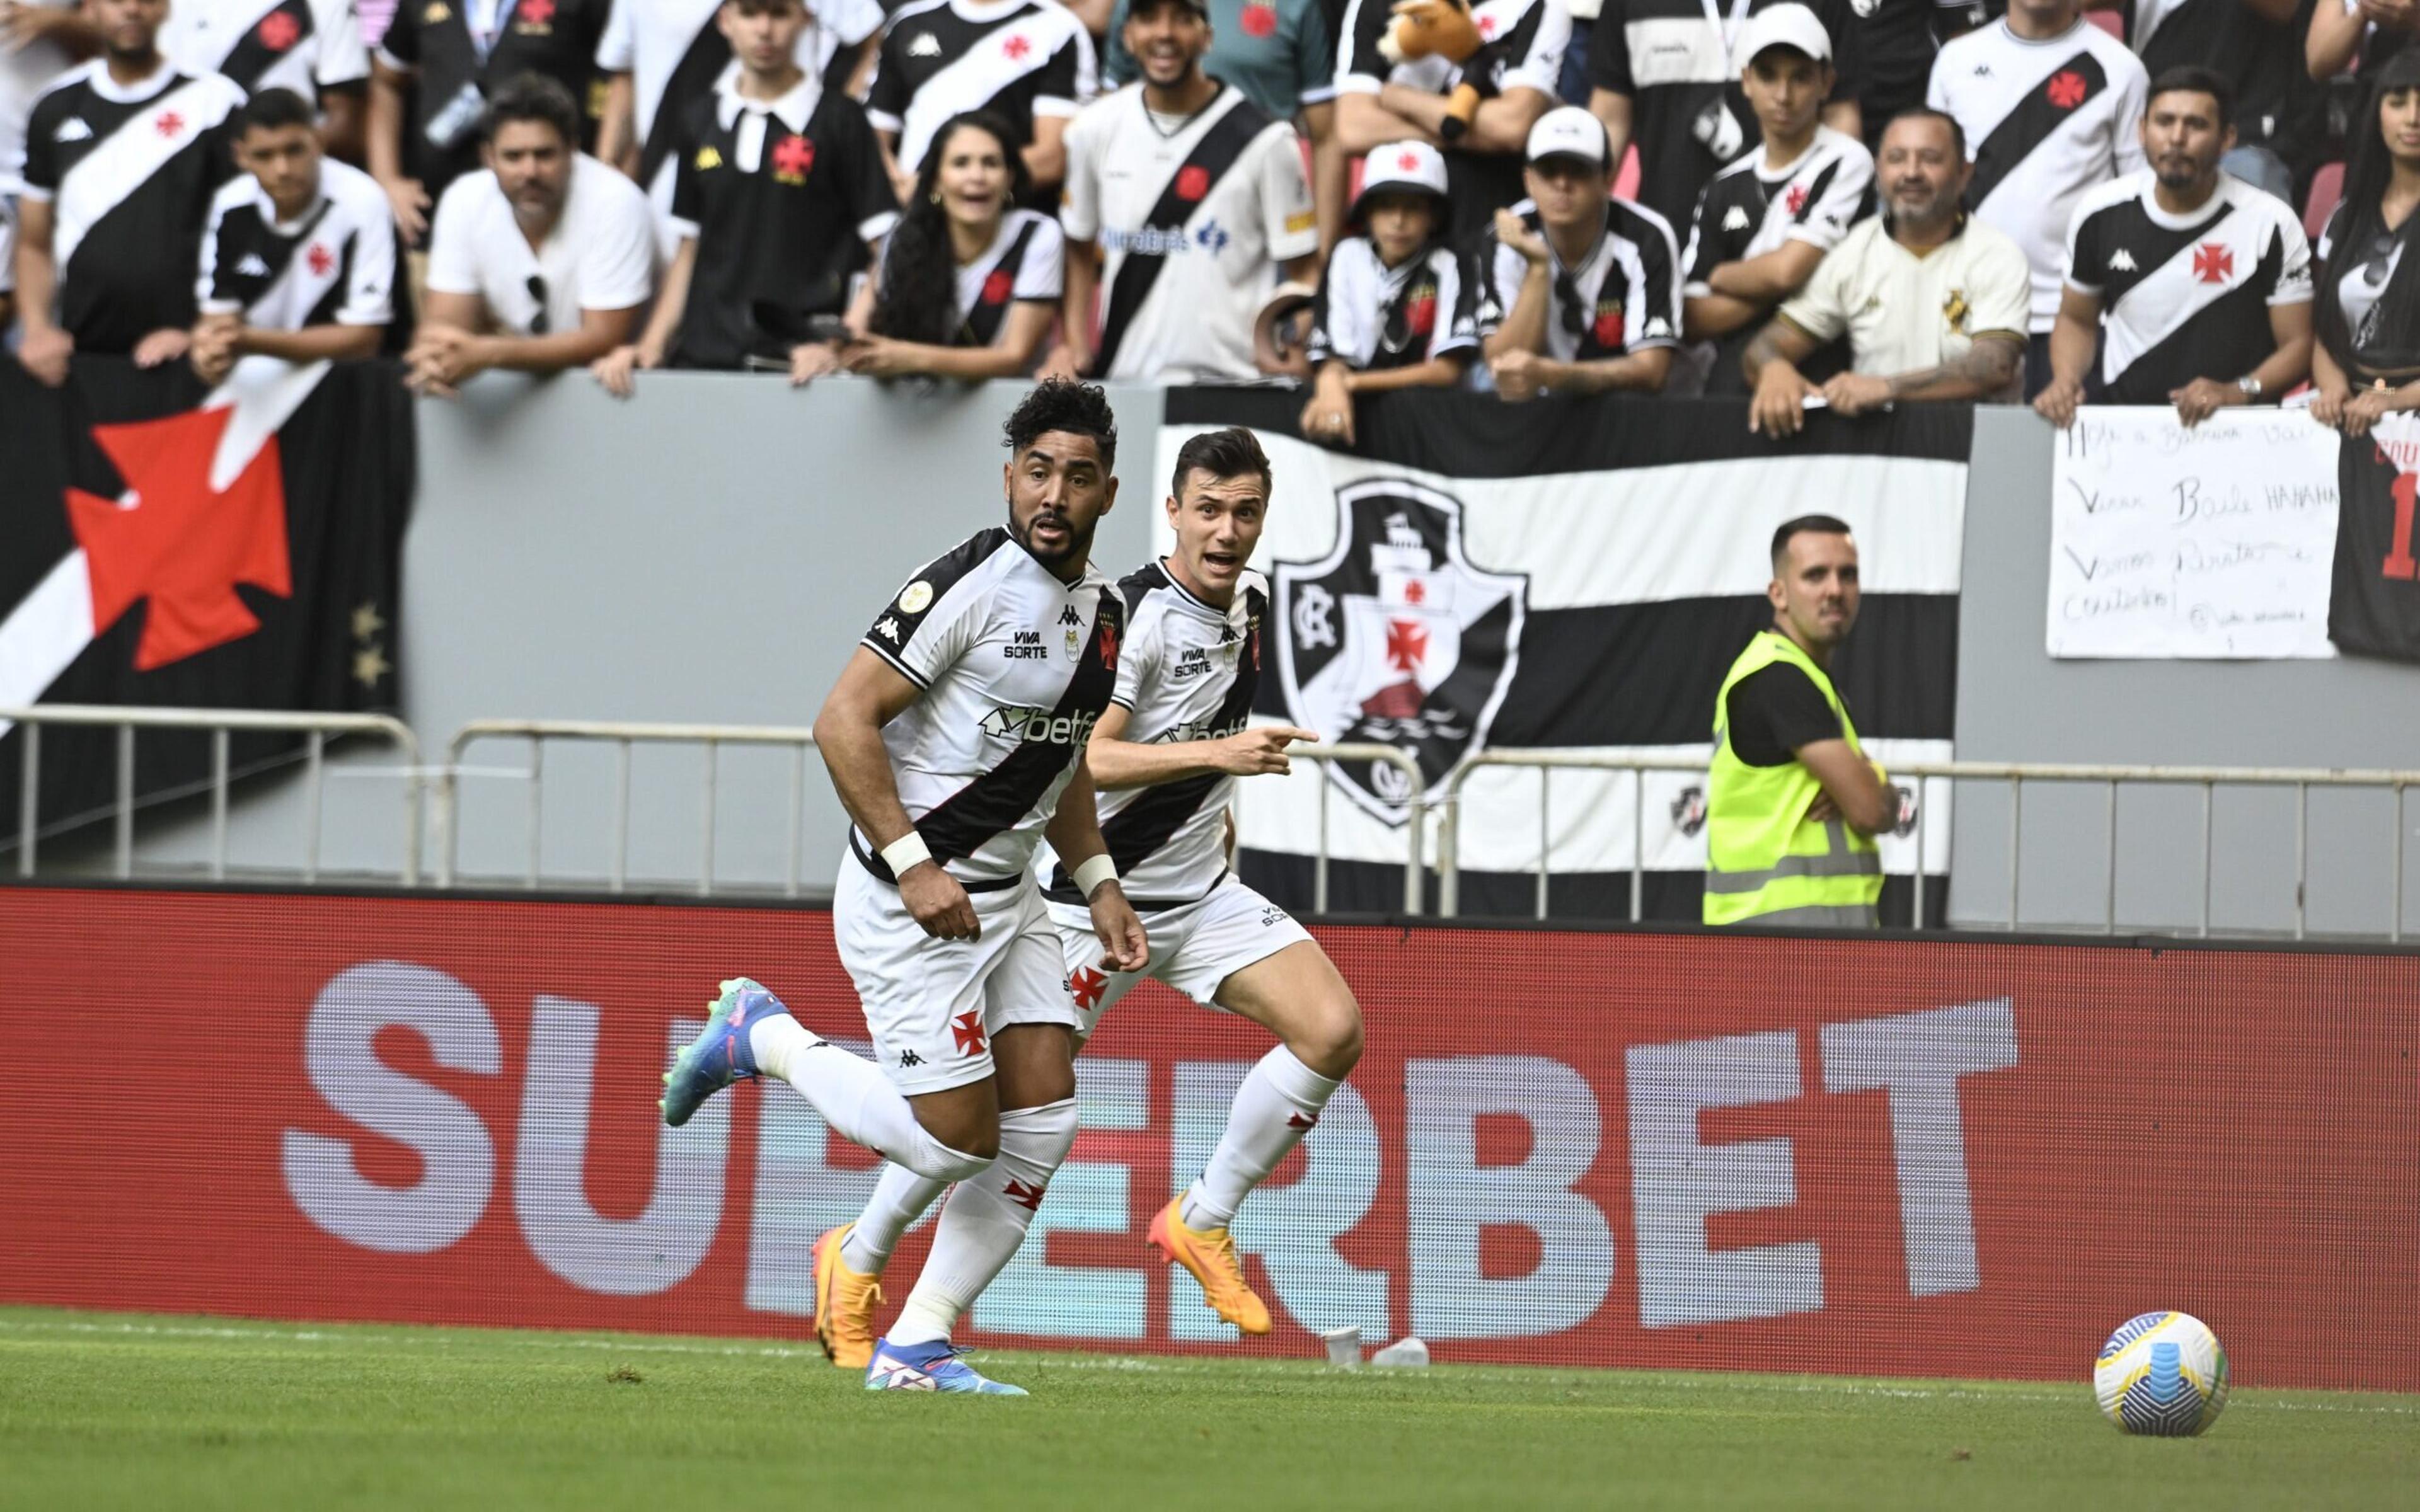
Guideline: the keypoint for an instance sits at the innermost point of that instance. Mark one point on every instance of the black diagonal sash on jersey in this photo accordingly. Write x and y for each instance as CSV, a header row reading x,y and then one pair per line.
x,y
962,823
252,56
693,78
981,326
324,312
1137,831
2046,105
1217,152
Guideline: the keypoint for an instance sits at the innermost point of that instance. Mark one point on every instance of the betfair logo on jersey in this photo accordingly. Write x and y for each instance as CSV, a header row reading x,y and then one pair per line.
x,y
1198,730
1038,727
1025,645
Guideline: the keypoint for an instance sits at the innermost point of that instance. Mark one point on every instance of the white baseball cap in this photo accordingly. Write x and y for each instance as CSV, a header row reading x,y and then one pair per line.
x,y
1568,131
1400,167
1784,26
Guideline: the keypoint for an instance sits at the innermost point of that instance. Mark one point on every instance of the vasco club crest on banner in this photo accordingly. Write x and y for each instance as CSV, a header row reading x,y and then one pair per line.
x,y
1396,637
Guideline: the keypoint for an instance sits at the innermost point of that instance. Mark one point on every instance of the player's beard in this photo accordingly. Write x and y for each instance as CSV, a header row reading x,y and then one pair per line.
x,y
1078,550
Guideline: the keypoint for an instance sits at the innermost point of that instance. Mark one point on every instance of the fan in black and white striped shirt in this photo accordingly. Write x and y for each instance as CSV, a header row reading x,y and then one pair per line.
x,y
2195,285
1029,62
298,261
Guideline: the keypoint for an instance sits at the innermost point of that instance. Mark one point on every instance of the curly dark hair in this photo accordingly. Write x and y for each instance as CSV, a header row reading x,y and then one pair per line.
x,y
1063,404
534,97
918,300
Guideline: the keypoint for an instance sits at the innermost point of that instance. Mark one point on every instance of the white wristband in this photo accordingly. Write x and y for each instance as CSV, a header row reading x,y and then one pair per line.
x,y
1090,875
905,851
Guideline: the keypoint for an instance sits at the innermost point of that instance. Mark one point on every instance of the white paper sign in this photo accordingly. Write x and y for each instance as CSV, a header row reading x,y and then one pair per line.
x,y
2214,542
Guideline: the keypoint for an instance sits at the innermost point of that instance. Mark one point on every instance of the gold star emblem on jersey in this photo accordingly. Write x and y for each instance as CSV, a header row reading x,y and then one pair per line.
x,y
708,157
1954,310
435,14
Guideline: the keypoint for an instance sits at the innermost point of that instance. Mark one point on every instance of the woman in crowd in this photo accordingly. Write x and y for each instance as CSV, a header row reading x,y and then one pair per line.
x,y
1390,313
2368,361
967,283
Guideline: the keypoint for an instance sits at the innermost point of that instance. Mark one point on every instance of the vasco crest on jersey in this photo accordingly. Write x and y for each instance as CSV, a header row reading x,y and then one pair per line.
x,y
1396,637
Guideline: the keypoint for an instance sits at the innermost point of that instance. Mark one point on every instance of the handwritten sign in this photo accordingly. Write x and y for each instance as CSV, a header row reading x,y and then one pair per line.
x,y
2214,542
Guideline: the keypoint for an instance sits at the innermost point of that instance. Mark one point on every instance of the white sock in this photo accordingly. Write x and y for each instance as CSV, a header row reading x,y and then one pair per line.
x,y
855,1097
900,1197
1275,1107
984,1221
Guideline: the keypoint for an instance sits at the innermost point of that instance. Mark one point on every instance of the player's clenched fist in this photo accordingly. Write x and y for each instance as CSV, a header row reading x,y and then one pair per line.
x,y
937,902
1260,750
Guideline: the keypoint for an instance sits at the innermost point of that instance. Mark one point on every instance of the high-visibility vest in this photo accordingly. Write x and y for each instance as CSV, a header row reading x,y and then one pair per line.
x,y
1767,861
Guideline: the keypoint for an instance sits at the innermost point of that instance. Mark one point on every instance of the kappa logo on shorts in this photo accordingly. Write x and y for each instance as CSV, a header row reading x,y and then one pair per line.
x,y
910,1058
1396,637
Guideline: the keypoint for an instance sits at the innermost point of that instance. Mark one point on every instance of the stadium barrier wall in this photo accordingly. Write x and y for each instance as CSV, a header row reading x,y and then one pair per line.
x,y
1873,1156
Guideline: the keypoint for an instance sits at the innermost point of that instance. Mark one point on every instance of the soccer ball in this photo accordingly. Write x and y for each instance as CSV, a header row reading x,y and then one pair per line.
x,y
2163,1374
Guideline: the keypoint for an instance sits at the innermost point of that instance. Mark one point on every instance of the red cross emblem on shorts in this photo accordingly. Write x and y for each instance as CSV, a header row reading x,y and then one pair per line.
x,y
279,31
966,1028
2065,89
792,157
1028,1197
1086,986
2213,262
167,123
322,261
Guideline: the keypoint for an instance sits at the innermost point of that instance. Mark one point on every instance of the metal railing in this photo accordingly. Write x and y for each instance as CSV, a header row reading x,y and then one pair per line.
x,y
222,724
623,736
2015,774
1415,823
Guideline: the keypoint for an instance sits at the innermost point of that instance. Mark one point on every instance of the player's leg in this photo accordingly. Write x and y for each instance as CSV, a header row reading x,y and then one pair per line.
x,y
1248,957
928,1102
849,1260
987,1217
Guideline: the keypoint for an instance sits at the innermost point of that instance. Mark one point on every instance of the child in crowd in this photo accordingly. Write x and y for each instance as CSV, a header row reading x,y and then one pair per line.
x,y
1391,311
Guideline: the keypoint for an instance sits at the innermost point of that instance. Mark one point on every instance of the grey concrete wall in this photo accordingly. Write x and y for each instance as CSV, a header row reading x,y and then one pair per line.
x,y
712,552
2015,704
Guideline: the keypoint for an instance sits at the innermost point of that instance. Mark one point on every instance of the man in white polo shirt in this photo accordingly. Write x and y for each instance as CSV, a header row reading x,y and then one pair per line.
x,y
540,262
1933,301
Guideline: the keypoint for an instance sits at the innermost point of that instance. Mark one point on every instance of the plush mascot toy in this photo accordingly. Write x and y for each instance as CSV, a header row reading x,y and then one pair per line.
x,y
1437,28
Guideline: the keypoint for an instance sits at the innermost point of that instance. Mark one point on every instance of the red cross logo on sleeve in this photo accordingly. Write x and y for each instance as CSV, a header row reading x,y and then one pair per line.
x,y
792,157
2065,89
968,1030
279,31
1407,645
1016,47
1086,987
2213,262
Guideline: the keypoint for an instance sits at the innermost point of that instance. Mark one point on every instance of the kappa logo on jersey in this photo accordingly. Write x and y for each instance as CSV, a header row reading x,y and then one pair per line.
x,y
1027,726
74,128
1069,616
251,264
1396,637
924,45
1736,219
2121,261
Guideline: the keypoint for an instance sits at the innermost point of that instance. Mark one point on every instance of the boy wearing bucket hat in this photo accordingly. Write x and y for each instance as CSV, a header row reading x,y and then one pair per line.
x,y
1580,291
1390,312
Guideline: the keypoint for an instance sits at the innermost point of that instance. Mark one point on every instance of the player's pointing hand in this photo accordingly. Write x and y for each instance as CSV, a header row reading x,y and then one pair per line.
x,y
937,902
1261,748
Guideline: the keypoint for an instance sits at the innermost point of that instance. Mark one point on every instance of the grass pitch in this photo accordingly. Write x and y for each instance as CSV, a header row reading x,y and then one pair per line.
x,y
106,1410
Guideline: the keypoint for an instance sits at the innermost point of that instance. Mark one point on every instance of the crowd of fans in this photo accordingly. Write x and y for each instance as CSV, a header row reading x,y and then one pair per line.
x,y
1850,203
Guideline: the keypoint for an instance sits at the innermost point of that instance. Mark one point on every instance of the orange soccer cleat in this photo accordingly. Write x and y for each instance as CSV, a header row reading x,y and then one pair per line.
x,y
1210,1254
844,1304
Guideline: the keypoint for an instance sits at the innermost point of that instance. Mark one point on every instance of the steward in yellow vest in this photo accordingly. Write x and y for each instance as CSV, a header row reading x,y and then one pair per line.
x,y
1792,805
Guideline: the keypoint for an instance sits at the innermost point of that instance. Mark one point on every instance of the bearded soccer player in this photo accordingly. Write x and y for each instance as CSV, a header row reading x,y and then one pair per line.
x,y
956,740
1166,754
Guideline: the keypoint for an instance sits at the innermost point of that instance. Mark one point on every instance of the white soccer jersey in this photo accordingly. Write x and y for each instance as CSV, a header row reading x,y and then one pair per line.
x,y
1751,210
2184,297
1014,666
1192,225
302,45
333,265
1372,317
1017,58
2045,122
1187,671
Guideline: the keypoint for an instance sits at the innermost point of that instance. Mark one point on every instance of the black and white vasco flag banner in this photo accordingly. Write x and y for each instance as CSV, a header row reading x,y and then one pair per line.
x,y
1577,577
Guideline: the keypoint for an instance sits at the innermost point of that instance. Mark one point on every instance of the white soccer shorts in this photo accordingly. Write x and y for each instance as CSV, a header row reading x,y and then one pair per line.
x,y
1193,947
933,1004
